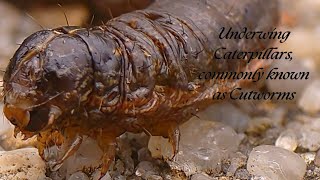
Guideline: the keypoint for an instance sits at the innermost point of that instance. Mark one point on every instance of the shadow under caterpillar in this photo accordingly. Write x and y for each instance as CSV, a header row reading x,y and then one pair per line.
x,y
137,73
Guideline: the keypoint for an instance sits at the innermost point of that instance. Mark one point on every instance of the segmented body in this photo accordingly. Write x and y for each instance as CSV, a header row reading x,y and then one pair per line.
x,y
138,72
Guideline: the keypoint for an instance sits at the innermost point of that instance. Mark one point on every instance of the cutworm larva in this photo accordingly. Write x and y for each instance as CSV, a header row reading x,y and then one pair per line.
x,y
137,72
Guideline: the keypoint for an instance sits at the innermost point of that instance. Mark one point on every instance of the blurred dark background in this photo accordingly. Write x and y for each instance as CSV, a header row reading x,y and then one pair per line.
x,y
101,9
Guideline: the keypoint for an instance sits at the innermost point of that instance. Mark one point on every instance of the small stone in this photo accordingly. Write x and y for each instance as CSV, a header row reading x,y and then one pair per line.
x,y
160,147
78,176
56,175
313,124
124,152
173,175
308,121
155,177
238,160
106,177
144,154
223,178
22,164
307,130
309,101
308,157
118,168
260,178
120,177
242,174
201,176
317,159
272,162
228,114
309,139
287,140
96,176
201,149
146,170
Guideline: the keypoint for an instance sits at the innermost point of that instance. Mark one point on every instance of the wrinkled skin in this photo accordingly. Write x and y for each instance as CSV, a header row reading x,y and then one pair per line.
x,y
136,73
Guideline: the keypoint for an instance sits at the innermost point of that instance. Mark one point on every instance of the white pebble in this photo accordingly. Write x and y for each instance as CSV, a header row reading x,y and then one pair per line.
x,y
309,139
22,164
309,101
228,114
201,149
201,177
272,162
78,176
287,140
96,176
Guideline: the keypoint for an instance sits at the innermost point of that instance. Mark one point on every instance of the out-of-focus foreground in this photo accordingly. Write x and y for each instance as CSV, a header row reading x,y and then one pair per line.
x,y
233,140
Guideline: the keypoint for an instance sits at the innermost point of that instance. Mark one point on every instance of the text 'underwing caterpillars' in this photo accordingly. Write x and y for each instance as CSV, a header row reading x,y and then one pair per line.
x,y
137,72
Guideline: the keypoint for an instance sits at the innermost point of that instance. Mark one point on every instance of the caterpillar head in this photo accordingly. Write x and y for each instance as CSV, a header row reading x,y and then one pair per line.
x,y
49,75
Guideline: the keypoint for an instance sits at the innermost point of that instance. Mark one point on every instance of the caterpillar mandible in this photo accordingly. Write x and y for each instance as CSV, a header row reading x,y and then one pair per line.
x,y
137,73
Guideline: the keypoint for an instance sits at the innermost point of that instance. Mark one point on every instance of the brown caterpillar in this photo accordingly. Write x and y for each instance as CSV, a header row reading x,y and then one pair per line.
x,y
137,73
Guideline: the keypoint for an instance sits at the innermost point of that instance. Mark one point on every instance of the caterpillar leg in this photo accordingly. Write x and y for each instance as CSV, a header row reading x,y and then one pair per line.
x,y
74,146
108,147
174,139
41,144
46,139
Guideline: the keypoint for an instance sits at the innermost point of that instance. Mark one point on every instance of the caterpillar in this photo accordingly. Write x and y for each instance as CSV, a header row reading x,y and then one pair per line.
x,y
137,73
